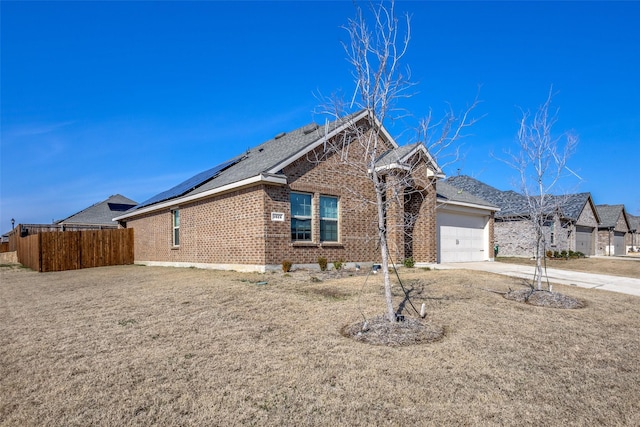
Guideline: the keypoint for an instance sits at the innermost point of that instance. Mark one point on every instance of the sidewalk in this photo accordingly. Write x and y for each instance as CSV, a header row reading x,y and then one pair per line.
x,y
625,285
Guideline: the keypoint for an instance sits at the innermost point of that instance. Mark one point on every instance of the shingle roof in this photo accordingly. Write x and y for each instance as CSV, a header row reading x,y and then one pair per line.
x,y
570,205
264,159
515,204
447,192
395,155
509,202
101,213
634,222
609,215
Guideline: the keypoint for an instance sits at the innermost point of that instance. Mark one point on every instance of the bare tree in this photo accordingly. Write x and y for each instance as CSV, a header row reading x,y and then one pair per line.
x,y
541,162
376,50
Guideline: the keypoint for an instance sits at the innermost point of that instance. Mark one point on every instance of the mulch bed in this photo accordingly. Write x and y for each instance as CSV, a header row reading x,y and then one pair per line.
x,y
544,298
379,331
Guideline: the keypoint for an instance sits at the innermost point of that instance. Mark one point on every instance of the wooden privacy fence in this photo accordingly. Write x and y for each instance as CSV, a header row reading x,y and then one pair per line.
x,y
72,250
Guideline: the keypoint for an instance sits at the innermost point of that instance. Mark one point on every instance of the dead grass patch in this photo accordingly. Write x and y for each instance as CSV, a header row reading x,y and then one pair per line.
x,y
134,345
331,293
610,266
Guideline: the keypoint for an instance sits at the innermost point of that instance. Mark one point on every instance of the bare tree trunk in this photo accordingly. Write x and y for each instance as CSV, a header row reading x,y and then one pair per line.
x,y
384,248
539,255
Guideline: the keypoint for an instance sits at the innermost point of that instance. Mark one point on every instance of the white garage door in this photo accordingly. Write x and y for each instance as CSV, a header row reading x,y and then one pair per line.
x,y
461,238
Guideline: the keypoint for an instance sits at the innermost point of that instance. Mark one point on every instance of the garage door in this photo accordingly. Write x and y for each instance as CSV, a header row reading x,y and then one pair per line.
x,y
618,243
461,238
584,239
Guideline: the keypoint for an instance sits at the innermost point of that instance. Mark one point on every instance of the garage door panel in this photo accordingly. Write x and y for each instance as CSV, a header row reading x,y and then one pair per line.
x,y
461,238
584,239
618,243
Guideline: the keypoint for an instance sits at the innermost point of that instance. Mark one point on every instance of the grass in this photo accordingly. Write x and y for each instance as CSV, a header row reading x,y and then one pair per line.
x,y
613,267
121,346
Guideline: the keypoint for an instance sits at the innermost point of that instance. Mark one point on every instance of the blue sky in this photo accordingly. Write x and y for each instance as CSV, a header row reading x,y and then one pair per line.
x,y
100,98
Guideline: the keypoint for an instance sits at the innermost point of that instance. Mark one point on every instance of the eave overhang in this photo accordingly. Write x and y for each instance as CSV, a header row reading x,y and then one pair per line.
x,y
443,203
263,178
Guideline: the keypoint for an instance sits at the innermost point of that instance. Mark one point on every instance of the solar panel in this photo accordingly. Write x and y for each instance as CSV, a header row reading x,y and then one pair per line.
x,y
189,184
120,207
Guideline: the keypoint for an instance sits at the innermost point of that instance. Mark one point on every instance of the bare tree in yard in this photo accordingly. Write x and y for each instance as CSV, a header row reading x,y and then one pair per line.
x,y
376,51
541,161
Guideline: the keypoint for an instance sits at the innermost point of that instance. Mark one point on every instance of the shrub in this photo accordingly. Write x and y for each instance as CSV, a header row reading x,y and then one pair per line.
x,y
286,266
579,254
338,264
563,254
556,254
549,254
409,262
322,262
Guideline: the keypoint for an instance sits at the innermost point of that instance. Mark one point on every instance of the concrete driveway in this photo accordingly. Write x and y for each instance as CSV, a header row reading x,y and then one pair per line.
x,y
625,285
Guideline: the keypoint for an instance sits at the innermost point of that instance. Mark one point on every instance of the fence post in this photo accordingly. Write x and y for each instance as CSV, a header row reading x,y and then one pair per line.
x,y
39,252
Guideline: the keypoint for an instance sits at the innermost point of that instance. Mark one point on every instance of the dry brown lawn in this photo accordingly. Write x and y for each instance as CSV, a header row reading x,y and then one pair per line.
x,y
610,266
162,346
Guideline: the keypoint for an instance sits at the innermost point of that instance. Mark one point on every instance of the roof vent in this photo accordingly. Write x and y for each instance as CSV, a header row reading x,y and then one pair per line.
x,y
280,135
310,128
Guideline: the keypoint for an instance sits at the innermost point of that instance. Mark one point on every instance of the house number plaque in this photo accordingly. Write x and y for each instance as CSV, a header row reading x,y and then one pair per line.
x,y
277,216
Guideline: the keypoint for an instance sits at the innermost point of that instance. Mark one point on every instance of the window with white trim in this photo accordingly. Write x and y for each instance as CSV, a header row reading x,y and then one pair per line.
x,y
175,225
328,219
301,216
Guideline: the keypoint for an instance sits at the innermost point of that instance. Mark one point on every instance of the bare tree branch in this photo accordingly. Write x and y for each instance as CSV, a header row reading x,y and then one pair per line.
x,y
376,54
541,162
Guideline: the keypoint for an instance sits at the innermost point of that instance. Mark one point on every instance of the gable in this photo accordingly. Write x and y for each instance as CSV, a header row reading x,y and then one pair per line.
x,y
621,223
588,216
612,217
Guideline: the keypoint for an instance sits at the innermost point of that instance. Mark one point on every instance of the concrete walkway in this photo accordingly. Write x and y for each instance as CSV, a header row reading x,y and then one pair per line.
x,y
625,285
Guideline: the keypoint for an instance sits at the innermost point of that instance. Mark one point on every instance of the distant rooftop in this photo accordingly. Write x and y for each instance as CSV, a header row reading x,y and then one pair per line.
x,y
101,213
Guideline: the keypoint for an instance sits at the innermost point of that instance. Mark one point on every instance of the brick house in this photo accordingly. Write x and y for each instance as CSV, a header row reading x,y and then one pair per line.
x,y
572,225
613,230
292,198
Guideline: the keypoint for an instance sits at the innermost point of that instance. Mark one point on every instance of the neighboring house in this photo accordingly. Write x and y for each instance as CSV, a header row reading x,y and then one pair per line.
x,y
633,237
465,225
612,230
96,217
292,198
571,225
99,215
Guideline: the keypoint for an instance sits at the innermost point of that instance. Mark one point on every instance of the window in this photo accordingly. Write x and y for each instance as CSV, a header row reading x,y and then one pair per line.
x,y
175,220
328,219
301,217
553,233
